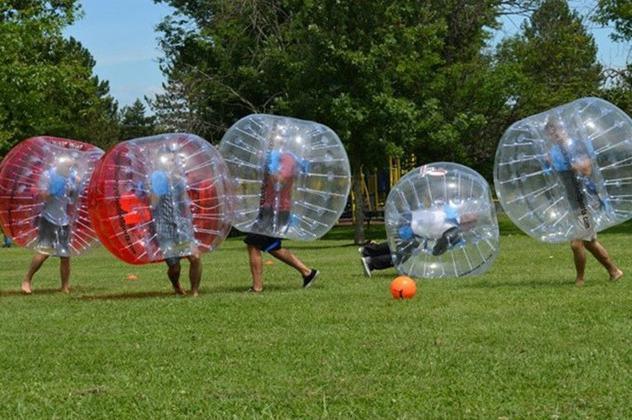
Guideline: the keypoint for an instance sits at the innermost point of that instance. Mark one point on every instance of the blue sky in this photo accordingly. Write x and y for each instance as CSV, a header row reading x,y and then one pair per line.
x,y
121,36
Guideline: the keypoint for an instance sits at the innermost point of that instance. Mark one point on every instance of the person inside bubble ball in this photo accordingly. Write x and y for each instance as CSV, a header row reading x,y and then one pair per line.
x,y
433,231
280,171
572,161
57,187
172,219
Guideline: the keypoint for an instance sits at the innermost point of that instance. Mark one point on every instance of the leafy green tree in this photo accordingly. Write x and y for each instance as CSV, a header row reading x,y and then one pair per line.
x,y
618,88
618,12
134,123
173,110
214,55
46,81
396,78
553,60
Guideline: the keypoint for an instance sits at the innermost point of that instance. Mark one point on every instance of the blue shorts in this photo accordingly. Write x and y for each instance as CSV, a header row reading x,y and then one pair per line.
x,y
262,242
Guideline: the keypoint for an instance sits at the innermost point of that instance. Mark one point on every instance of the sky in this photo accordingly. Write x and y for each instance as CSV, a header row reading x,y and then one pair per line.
x,y
121,36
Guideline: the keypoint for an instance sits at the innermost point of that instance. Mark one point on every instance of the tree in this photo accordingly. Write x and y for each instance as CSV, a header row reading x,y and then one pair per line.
x,y
214,51
618,86
134,123
618,12
553,60
46,81
389,78
173,109
396,78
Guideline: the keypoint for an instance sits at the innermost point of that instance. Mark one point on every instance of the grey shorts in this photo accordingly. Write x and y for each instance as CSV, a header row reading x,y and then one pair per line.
x,y
53,239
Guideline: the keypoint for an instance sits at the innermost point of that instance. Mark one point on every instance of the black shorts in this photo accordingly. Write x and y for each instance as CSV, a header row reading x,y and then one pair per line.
x,y
262,242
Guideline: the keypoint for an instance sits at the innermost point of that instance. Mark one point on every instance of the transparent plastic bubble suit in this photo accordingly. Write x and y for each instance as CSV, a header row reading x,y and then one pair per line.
x,y
43,195
292,177
160,197
441,222
567,173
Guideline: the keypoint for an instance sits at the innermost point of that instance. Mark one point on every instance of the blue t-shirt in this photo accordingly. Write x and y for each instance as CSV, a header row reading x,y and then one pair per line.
x,y
60,191
160,183
562,160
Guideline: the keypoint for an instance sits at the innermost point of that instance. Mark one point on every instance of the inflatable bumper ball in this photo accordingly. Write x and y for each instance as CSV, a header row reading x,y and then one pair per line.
x,y
292,177
567,173
44,195
161,197
441,222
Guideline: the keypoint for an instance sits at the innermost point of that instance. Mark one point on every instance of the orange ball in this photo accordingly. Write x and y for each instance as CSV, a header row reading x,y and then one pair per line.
x,y
403,287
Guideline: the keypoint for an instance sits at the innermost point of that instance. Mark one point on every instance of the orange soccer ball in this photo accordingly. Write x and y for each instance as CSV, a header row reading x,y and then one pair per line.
x,y
403,287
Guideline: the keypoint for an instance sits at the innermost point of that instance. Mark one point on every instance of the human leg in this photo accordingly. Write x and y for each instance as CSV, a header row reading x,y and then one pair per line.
x,y
292,260
256,267
599,252
195,273
285,255
173,272
381,262
36,263
376,249
579,257
64,273
448,239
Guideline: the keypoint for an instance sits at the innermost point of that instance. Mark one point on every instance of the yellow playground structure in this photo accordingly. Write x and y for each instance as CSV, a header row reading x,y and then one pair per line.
x,y
377,183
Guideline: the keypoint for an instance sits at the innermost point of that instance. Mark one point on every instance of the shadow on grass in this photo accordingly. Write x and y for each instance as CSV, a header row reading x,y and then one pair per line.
x,y
129,295
297,245
530,284
44,291
168,293
6,293
244,289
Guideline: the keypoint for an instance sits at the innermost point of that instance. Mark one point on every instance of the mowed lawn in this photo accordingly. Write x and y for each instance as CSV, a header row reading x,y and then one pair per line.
x,y
520,341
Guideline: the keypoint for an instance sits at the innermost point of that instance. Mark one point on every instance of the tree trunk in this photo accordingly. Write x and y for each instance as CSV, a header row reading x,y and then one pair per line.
x,y
358,212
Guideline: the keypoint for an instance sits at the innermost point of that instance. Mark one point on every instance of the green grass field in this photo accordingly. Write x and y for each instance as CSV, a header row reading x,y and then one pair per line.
x,y
519,342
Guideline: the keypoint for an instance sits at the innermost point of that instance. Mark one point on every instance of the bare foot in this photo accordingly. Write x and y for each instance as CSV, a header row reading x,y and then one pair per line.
x,y
26,288
179,290
579,282
615,276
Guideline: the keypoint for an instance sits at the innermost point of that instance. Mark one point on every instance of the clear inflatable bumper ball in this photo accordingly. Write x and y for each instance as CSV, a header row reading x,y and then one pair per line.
x,y
161,197
567,173
291,177
43,195
441,222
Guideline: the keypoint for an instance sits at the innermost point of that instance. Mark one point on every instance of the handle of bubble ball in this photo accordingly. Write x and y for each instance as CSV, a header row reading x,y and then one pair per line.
x,y
406,232
57,185
139,189
159,183
274,161
304,165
